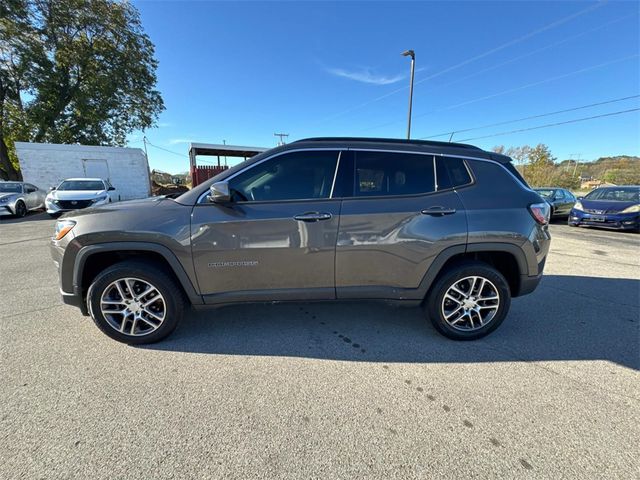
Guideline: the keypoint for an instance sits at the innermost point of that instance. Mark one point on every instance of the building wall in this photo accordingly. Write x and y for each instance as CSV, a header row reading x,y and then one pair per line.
x,y
46,164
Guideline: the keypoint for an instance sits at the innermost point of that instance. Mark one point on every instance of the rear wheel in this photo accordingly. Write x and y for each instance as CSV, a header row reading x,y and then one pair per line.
x,y
135,303
469,301
21,209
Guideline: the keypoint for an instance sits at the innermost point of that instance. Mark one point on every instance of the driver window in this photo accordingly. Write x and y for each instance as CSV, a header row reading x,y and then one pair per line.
x,y
291,176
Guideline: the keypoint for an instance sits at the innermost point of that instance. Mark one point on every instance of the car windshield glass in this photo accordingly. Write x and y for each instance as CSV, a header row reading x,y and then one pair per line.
x,y
615,194
81,185
10,188
546,193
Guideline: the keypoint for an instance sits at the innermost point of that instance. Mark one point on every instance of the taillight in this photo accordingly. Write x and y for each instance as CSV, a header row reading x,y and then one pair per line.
x,y
540,212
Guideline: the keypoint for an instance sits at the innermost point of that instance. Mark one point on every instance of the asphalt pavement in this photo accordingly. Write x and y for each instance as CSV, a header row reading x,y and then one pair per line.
x,y
351,390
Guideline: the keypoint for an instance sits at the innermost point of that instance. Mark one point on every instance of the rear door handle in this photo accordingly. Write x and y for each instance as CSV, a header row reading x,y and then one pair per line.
x,y
312,216
438,211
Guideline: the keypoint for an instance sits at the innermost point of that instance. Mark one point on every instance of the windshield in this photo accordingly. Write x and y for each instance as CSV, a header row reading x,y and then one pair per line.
x,y
546,193
10,188
622,194
81,185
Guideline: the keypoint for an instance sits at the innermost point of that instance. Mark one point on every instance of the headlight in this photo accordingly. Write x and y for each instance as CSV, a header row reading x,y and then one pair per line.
x,y
99,199
4,200
632,209
578,206
63,227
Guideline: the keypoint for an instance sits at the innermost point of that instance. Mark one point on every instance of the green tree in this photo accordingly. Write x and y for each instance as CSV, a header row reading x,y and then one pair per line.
x,y
73,71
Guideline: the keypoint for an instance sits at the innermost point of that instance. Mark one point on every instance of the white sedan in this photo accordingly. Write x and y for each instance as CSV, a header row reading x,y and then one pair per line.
x,y
77,193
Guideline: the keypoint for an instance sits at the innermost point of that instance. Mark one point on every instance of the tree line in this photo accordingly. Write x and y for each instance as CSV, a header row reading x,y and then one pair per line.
x,y
73,71
541,169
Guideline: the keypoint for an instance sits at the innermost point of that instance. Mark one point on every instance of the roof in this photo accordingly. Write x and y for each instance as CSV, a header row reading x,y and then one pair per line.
x,y
390,140
214,149
77,179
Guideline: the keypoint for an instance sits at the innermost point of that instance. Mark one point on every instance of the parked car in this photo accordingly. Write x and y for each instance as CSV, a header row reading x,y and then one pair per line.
x,y
560,200
18,198
608,207
78,193
445,225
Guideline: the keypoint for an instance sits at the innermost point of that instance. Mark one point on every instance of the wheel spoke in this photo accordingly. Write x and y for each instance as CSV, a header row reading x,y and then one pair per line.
x,y
120,290
151,300
448,316
453,299
458,291
149,312
133,325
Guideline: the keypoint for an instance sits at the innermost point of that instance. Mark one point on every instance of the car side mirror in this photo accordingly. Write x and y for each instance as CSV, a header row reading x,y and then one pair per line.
x,y
51,189
219,193
111,188
579,198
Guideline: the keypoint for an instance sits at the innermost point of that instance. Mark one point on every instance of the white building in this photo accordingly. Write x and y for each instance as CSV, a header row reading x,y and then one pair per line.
x,y
46,164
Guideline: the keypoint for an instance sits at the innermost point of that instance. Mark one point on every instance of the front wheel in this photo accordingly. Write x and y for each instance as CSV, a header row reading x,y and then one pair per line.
x,y
469,301
134,302
21,209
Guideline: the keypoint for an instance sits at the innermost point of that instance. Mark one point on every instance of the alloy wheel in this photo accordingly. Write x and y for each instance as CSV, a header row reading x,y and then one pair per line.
x,y
470,303
133,306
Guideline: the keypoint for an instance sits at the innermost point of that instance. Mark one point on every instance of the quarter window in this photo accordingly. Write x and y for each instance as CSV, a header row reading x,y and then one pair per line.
x,y
452,173
386,174
291,176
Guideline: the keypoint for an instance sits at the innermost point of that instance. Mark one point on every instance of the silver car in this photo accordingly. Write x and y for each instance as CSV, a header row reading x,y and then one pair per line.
x,y
18,198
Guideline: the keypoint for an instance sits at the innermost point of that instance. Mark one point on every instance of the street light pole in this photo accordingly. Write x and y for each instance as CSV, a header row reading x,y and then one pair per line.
x,y
412,54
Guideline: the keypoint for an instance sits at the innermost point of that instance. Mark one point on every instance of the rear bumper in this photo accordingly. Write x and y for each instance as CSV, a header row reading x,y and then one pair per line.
x,y
615,221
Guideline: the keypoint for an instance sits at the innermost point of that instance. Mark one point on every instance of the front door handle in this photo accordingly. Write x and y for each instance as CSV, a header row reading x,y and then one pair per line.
x,y
312,216
438,211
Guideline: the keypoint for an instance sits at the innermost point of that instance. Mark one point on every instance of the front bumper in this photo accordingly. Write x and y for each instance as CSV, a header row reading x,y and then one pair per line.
x,y
615,221
53,208
6,211
75,297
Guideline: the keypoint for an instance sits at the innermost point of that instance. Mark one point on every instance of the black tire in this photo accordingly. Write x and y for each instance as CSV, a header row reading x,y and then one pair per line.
x,y
21,209
450,277
173,296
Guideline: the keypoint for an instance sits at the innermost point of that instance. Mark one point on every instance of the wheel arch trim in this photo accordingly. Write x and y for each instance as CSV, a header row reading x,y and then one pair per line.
x,y
87,251
448,253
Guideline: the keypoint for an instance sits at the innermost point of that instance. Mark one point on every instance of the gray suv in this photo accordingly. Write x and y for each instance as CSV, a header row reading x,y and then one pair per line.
x,y
447,226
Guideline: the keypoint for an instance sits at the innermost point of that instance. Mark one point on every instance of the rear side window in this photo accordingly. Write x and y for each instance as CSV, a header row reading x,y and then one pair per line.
x,y
390,174
452,173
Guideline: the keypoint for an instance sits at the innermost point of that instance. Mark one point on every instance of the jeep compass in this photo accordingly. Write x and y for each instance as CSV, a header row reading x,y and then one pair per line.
x,y
447,226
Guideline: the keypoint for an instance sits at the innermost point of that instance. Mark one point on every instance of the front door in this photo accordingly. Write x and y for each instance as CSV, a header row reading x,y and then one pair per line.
x,y
276,239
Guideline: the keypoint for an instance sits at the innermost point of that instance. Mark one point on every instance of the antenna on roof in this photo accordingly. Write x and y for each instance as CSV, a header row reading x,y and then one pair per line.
x,y
281,135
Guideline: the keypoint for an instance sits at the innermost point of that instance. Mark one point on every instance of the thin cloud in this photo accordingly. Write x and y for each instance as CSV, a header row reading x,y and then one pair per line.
x,y
178,141
164,124
365,76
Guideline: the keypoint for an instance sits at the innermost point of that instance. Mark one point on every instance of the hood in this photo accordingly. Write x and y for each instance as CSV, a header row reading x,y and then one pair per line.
x,y
126,206
606,205
9,194
76,194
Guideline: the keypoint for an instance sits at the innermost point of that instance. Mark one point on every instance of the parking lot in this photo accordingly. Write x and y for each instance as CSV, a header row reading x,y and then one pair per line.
x,y
327,390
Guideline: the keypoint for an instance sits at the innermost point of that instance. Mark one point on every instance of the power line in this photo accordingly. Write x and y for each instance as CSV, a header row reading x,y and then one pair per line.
x,y
551,124
451,132
514,59
166,150
521,87
477,57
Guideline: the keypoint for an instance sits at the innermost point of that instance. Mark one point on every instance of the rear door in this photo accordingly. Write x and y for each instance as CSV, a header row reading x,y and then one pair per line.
x,y
276,239
395,223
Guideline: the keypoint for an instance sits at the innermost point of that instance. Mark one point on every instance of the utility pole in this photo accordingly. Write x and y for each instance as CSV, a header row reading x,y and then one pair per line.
x,y
575,162
412,54
224,142
282,136
144,142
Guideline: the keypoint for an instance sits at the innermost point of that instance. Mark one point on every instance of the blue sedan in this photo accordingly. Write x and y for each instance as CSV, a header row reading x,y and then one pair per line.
x,y
608,207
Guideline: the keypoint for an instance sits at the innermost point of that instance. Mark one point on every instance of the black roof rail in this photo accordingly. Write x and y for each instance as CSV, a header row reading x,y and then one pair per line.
x,y
389,140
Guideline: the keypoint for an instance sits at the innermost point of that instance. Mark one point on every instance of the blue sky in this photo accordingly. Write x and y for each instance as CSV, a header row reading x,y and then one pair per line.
x,y
240,71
